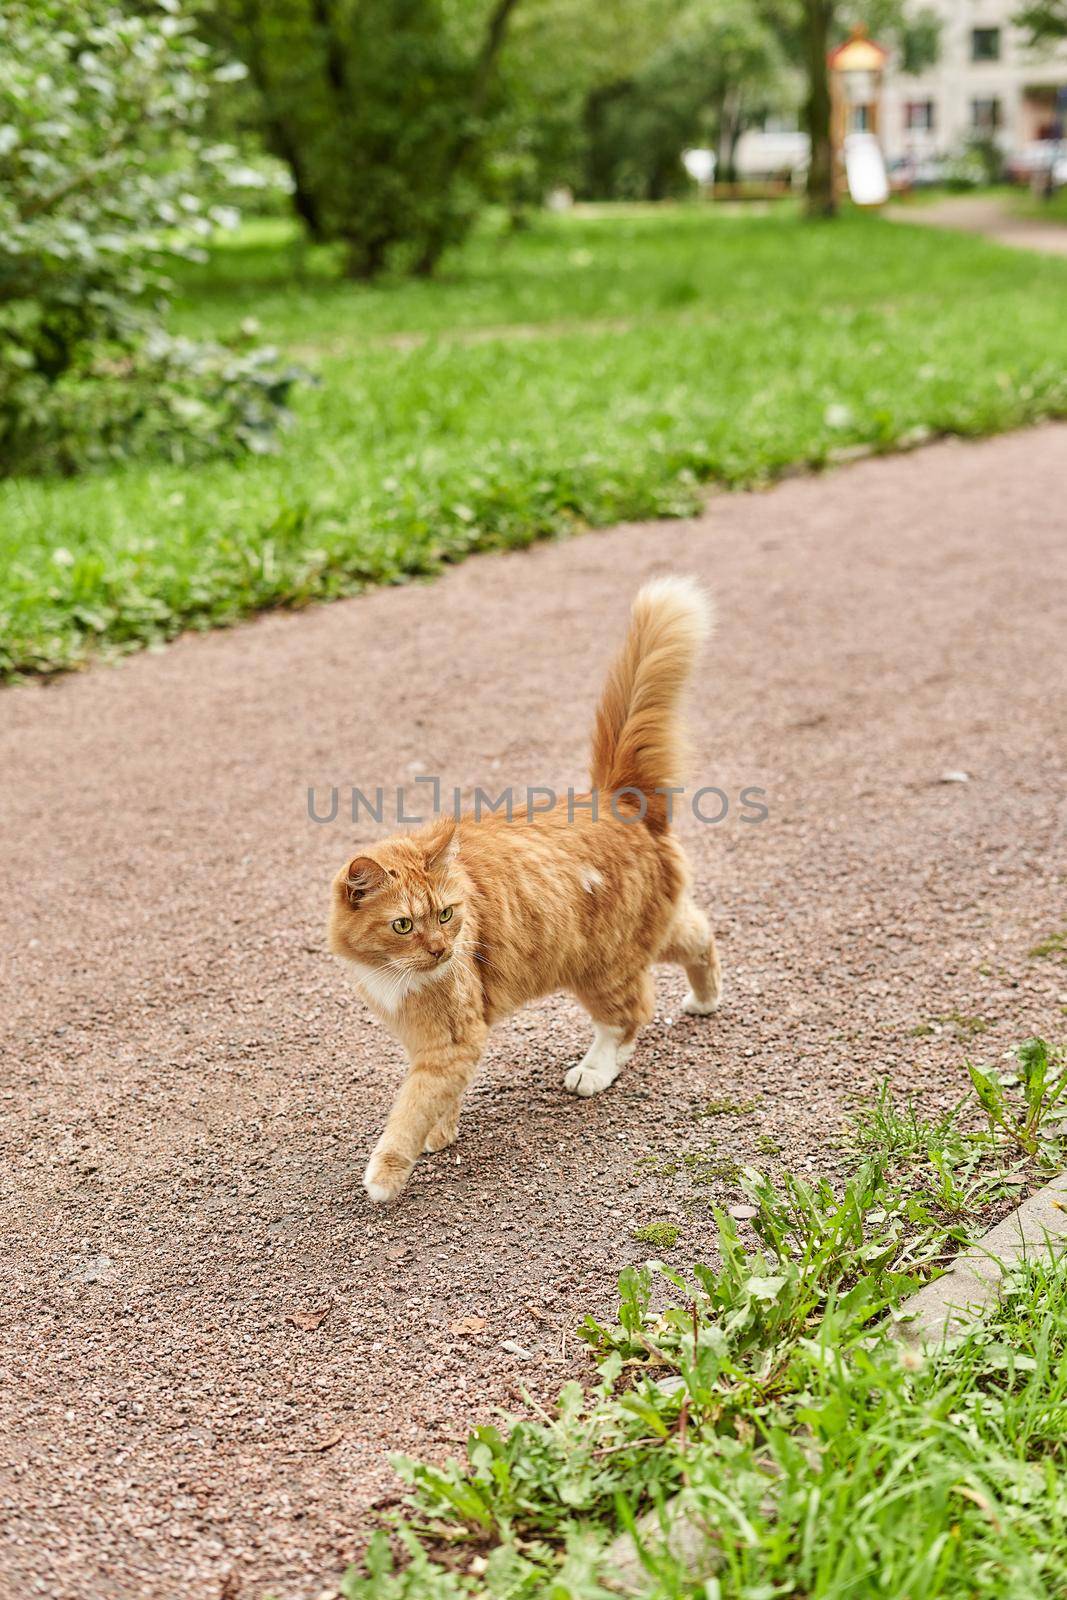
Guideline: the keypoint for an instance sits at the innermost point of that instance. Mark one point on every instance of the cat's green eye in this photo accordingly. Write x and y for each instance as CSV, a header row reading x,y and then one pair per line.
x,y
403,925
446,914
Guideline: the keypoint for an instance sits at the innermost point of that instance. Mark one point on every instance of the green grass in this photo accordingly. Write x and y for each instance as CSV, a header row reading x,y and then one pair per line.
x,y
767,1402
647,355
1054,948
1040,208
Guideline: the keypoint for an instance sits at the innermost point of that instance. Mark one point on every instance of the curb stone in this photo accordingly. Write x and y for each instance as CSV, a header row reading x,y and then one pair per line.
x,y
945,1308
937,1312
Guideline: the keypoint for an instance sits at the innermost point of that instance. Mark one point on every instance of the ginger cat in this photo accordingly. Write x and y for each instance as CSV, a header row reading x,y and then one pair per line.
x,y
454,926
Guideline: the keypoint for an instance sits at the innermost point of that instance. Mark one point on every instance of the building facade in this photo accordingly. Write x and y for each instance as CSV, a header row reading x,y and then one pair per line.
x,y
987,84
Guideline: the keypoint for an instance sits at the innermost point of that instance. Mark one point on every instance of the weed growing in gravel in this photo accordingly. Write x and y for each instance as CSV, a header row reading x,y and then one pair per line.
x,y
766,1403
726,1108
965,1025
662,1235
700,1167
1054,948
708,1168
901,1134
1027,1103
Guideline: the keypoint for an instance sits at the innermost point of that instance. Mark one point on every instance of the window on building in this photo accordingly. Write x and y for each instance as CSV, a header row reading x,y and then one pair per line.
x,y
919,115
985,44
985,115
859,119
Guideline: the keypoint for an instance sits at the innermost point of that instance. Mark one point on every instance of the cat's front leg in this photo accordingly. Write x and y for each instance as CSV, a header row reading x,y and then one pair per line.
x,y
445,1133
425,1114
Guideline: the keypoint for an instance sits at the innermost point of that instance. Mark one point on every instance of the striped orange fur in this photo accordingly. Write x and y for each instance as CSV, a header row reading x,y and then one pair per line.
x,y
456,925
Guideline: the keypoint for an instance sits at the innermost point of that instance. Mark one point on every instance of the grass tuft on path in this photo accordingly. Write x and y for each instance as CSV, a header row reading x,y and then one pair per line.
x,y
596,368
765,1407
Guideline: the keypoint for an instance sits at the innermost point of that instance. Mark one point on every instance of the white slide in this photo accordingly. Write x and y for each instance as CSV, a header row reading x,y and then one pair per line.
x,y
865,170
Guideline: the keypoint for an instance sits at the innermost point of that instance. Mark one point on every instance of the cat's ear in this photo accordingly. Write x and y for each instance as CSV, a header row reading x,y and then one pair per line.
x,y
362,878
443,848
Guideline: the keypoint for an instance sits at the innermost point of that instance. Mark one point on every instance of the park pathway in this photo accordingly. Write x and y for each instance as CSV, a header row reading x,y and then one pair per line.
x,y
208,1341
990,216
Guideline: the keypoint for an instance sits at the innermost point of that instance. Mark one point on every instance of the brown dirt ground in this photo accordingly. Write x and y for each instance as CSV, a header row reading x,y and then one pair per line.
x,y
189,1087
990,216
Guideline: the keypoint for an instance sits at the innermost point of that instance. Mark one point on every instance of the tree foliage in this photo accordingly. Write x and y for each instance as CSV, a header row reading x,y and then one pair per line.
x,y
719,69
1045,21
104,174
398,119
919,37
381,109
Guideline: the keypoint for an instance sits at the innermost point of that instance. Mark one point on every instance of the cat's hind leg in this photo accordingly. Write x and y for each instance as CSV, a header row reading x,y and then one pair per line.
x,y
691,945
618,1011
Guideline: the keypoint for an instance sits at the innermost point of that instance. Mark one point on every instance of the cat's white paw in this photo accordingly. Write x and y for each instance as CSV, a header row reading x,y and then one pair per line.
x,y
700,1008
385,1176
601,1064
587,1081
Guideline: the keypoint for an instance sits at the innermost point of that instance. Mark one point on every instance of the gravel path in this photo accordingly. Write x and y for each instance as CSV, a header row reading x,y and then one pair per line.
x,y
990,216
189,1088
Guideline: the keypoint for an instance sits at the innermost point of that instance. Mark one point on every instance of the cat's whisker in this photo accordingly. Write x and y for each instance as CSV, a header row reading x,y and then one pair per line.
x,y
472,955
463,957
472,950
397,973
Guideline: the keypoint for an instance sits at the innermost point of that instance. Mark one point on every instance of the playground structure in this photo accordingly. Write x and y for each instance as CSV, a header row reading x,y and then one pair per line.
x,y
856,75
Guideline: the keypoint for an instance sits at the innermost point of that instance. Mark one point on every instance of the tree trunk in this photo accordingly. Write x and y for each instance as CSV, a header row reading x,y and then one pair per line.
x,y
729,134
333,50
305,202
455,153
818,18
281,138
492,44
364,258
598,162
433,248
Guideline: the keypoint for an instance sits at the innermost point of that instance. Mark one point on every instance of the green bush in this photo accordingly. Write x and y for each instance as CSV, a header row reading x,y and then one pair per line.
x,y
979,164
104,175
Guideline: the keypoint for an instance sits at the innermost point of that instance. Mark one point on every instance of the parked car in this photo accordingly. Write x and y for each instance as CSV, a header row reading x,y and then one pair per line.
x,y
1040,159
780,154
915,172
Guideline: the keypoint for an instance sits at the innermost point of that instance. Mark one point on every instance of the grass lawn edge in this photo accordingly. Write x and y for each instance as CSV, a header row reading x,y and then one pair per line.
x,y
806,1372
492,541
672,354
941,1310
947,1306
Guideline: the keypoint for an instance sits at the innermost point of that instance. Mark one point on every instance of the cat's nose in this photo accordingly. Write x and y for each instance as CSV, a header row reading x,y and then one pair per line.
x,y
435,950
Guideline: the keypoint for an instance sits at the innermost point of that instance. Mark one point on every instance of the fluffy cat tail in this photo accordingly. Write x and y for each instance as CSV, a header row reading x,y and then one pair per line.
x,y
638,740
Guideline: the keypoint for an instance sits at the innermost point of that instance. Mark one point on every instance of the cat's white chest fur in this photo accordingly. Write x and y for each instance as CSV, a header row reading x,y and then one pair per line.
x,y
382,989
